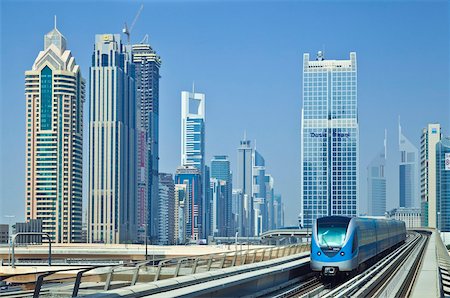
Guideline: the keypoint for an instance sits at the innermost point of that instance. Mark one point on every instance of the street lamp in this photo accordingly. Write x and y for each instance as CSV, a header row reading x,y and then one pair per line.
x,y
146,241
9,217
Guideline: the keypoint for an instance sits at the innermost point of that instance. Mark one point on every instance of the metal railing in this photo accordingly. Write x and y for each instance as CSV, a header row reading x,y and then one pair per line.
x,y
154,270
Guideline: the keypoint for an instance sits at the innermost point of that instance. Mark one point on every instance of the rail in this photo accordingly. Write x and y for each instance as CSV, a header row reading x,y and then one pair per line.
x,y
153,270
376,277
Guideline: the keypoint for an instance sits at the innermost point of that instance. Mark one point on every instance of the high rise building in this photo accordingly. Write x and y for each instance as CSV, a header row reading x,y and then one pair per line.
x,y
244,183
270,197
112,143
180,213
278,212
166,226
221,170
218,219
431,135
193,129
238,210
147,64
259,194
408,172
443,184
192,178
376,183
329,138
206,203
55,93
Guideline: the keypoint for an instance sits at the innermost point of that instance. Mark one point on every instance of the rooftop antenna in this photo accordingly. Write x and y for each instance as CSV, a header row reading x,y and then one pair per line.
x,y
145,39
385,143
125,29
399,130
193,87
55,21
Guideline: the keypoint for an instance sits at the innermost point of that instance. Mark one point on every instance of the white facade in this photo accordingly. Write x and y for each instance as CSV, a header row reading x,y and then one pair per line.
x,y
411,216
431,135
55,93
193,129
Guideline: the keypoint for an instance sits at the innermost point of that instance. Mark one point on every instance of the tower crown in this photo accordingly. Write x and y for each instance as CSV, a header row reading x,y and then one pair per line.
x,y
55,37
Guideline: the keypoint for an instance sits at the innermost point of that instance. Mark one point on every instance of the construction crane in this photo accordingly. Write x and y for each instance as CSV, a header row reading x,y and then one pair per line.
x,y
125,29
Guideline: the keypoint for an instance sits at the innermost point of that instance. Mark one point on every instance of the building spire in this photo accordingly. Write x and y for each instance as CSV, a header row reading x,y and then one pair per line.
x,y
193,87
55,22
385,143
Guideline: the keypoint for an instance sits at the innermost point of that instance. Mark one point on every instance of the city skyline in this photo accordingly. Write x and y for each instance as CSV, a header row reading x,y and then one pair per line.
x,y
267,138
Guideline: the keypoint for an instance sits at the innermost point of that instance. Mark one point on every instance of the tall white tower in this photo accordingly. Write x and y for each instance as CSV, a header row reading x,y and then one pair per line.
x,y
193,129
54,92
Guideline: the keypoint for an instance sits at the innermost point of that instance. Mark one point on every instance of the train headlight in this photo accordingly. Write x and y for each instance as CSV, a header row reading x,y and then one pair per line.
x,y
342,253
319,253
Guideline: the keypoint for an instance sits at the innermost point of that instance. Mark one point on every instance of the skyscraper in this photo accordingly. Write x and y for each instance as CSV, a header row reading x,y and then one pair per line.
x,y
55,93
278,212
218,219
244,183
238,210
112,143
431,135
329,138
166,226
191,177
259,193
180,213
376,184
220,169
193,129
147,65
443,184
270,196
408,172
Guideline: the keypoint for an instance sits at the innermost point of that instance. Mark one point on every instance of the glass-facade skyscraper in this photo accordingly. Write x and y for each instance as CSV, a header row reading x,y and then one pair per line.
x,y
408,172
147,64
54,94
192,205
443,184
220,170
244,184
329,138
112,143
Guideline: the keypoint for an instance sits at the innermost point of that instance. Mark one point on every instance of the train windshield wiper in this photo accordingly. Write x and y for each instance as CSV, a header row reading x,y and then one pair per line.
x,y
324,240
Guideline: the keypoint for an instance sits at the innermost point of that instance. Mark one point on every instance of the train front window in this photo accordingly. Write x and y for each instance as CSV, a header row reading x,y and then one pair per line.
x,y
331,233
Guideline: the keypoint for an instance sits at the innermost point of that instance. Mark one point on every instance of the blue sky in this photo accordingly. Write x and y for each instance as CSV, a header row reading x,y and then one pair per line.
x,y
246,56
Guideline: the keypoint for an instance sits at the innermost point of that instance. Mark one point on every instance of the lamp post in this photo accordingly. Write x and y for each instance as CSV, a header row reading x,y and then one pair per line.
x,y
9,217
146,241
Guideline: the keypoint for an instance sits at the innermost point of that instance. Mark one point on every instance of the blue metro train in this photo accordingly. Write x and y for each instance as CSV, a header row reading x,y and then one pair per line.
x,y
342,244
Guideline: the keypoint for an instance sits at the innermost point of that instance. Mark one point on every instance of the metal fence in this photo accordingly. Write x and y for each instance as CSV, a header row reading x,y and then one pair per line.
x,y
115,276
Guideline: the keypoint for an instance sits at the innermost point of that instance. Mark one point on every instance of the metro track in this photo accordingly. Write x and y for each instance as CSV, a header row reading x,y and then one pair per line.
x,y
394,274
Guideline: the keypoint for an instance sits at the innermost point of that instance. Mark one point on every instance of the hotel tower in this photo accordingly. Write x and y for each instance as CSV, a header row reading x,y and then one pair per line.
x,y
54,94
